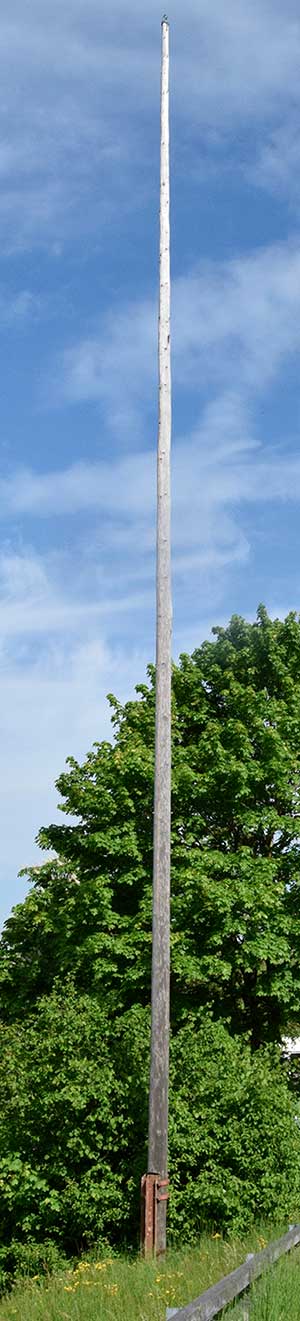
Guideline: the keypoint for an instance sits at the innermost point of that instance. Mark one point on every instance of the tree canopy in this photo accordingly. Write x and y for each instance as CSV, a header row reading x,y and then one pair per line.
x,y
235,928
75,966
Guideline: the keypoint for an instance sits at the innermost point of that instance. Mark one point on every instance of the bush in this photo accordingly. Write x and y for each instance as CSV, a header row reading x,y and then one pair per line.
x,y
25,1260
73,1127
63,1127
234,1142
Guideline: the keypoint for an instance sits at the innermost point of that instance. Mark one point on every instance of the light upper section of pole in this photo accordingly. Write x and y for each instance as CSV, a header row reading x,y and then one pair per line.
x,y
165,282
158,1107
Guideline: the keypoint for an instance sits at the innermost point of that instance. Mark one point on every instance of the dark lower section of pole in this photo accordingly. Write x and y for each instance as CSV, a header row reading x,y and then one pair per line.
x,y
154,1199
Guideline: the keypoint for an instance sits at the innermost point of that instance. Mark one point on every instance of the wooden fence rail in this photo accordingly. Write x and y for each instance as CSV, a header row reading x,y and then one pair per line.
x,y
219,1295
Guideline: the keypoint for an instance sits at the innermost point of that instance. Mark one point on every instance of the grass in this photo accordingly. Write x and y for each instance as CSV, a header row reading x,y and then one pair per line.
x,y
120,1289
275,1297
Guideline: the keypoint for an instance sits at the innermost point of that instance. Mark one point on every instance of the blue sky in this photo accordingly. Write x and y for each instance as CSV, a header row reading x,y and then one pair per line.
x,y
79,171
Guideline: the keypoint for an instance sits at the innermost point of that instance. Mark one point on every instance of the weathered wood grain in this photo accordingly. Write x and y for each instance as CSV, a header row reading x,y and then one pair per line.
x,y
160,1000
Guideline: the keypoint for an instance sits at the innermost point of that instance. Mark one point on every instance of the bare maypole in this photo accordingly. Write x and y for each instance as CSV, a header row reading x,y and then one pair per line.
x,y
155,1183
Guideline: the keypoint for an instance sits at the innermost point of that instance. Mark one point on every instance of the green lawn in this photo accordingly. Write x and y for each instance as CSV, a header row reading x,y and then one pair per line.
x,y
275,1297
121,1289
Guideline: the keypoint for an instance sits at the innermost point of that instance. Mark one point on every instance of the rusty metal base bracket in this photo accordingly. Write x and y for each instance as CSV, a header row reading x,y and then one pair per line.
x,y
153,1190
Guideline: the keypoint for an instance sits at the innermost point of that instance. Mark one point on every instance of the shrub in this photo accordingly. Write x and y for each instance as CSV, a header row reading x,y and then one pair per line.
x,y
73,1127
234,1142
63,1126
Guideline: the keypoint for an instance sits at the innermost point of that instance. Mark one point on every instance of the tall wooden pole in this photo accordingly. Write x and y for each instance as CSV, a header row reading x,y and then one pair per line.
x,y
159,1072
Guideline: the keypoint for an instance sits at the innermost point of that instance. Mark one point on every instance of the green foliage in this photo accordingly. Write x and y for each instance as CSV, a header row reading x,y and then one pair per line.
x,y
26,1259
73,1127
75,965
63,1129
234,1142
235,847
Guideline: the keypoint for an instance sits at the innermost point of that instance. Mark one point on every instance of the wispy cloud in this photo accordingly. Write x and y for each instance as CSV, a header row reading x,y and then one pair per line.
x,y
233,323
79,148
116,368
276,163
34,602
217,469
56,667
72,77
238,320
52,706
17,308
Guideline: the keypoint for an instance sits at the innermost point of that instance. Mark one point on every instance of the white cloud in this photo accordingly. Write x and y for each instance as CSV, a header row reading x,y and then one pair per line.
x,y
79,142
17,308
234,323
53,684
277,161
50,708
53,690
217,469
234,326
238,320
117,368
80,91
53,695
56,667
36,598
244,58
118,485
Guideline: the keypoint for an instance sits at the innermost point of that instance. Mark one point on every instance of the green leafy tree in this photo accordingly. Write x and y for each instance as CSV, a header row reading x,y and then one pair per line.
x,y
235,847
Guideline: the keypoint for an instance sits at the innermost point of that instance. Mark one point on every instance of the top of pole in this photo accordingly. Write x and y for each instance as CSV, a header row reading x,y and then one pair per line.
x,y
165,20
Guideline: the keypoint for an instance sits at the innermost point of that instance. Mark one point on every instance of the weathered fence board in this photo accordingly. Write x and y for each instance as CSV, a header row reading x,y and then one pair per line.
x,y
219,1295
